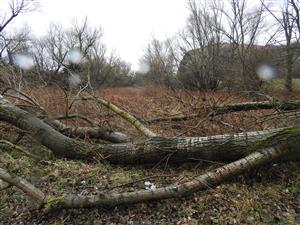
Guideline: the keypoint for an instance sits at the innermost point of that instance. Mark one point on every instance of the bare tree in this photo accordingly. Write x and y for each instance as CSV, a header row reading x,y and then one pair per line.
x,y
55,43
13,42
16,7
158,63
17,41
242,27
200,44
83,36
288,21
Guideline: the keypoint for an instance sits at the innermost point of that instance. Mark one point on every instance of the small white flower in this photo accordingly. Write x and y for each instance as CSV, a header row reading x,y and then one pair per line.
x,y
83,182
152,187
147,183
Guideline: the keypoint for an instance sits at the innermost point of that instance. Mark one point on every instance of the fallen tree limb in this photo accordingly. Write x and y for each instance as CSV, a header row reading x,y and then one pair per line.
x,y
174,118
237,107
89,132
76,116
204,181
226,147
6,145
125,115
81,132
246,106
111,199
30,190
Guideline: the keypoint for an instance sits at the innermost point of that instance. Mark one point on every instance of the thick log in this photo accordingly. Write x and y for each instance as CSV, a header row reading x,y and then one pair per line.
x,y
111,199
204,181
226,147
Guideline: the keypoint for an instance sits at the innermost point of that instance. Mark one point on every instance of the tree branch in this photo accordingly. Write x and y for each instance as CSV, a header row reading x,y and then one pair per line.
x,y
125,115
226,147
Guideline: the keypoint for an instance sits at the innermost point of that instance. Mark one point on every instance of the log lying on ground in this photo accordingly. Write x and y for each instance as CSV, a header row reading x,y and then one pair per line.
x,y
30,190
246,106
237,107
111,199
227,147
89,132
8,146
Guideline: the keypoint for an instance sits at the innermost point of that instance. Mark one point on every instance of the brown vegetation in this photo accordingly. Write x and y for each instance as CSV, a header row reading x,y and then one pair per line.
x,y
143,103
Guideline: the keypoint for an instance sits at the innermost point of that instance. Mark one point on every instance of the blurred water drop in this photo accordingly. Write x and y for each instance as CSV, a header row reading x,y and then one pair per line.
x,y
266,72
74,80
24,61
75,55
144,68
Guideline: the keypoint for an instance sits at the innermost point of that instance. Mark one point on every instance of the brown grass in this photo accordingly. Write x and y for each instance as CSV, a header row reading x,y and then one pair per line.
x,y
150,102
245,200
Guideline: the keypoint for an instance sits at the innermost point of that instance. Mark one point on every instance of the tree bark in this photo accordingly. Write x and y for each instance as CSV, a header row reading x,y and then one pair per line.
x,y
226,147
209,179
237,107
34,193
111,199
89,132
246,106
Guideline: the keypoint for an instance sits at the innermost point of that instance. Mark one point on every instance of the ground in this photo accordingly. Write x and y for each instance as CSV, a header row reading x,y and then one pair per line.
x,y
268,195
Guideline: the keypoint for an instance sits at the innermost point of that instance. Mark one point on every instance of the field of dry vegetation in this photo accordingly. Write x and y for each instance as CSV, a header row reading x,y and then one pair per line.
x,y
269,195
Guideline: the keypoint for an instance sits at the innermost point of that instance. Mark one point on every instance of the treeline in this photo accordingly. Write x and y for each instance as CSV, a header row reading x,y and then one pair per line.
x,y
65,56
235,44
223,44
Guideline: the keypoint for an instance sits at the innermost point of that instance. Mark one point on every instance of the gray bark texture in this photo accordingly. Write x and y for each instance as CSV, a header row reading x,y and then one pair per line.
x,y
226,147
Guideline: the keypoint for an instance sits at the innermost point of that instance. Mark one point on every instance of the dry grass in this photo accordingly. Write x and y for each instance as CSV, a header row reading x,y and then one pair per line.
x,y
267,196
151,102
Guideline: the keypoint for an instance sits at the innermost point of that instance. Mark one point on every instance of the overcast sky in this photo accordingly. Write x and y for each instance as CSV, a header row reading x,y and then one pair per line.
x,y
128,24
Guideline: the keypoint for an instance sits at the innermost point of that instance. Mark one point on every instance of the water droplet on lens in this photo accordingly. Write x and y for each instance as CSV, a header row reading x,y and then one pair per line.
x,y
266,72
75,56
74,80
144,68
24,61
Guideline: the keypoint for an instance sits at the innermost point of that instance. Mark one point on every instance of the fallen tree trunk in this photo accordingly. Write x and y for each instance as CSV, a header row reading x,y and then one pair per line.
x,y
207,180
237,107
111,199
226,147
246,106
